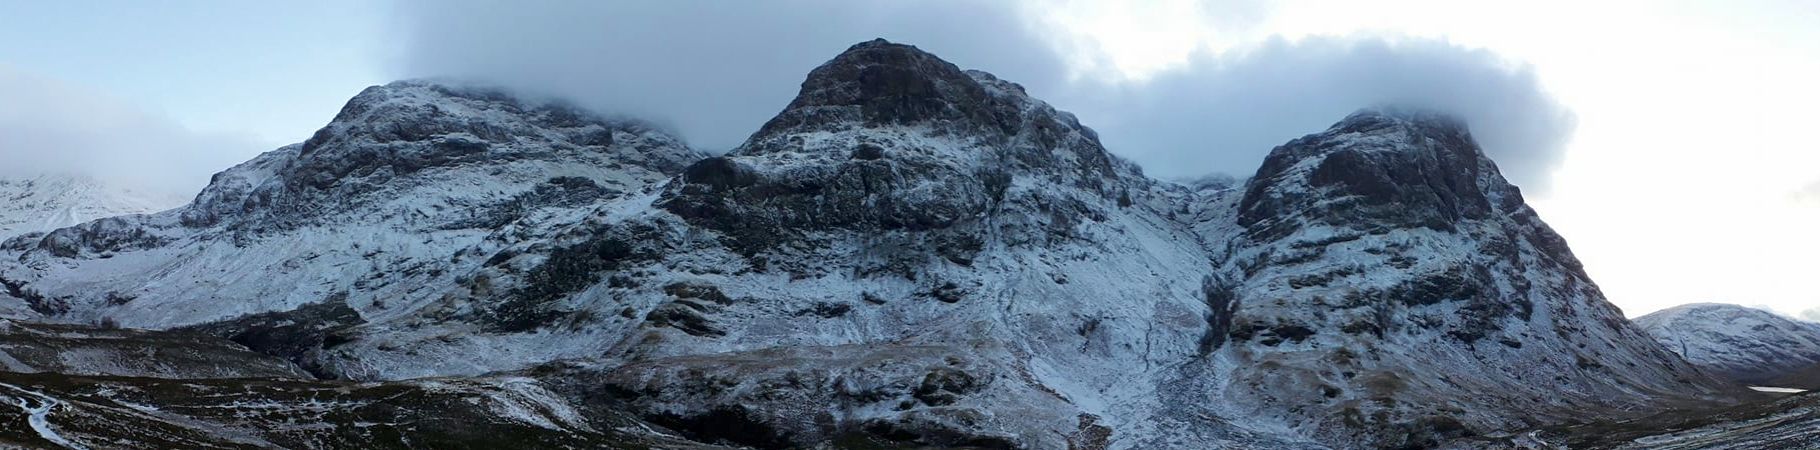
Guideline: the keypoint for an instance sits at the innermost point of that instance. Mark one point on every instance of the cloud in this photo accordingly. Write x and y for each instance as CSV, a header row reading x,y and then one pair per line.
x,y
1809,194
715,71
1812,315
1222,112
50,127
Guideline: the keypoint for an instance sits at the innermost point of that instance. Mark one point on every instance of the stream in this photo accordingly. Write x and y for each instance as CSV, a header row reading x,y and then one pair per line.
x,y
39,416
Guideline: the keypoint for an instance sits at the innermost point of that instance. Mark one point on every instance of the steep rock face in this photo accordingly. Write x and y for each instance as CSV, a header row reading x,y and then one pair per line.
x,y
1745,344
885,138
1390,286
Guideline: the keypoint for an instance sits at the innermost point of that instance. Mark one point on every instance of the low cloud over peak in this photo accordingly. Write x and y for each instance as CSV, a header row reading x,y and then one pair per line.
x,y
716,71
1224,112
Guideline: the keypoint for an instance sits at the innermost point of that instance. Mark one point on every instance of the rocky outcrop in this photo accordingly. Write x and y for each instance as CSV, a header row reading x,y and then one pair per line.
x,y
888,138
1386,276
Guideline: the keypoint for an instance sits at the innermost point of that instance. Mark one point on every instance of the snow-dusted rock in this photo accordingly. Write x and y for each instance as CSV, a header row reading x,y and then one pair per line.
x,y
1384,284
384,211
909,254
1742,343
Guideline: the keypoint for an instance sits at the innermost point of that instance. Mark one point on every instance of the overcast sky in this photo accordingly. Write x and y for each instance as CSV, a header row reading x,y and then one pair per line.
x,y
1668,141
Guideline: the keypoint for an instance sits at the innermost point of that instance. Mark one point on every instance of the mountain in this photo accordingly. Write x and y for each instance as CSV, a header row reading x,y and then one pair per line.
x,y
412,186
49,202
1745,344
909,254
1384,283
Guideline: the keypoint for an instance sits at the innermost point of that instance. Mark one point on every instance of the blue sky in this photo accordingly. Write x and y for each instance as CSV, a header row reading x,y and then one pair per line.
x,y
271,71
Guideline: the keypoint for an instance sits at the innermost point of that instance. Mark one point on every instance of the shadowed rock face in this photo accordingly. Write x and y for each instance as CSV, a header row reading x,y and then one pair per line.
x,y
1436,184
887,137
878,83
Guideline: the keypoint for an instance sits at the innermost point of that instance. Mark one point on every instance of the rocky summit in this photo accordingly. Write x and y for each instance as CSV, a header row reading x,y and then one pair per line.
x,y
909,255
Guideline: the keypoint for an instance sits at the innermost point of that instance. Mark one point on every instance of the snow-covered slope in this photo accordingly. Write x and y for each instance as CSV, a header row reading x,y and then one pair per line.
x,y
378,215
909,254
49,202
1746,344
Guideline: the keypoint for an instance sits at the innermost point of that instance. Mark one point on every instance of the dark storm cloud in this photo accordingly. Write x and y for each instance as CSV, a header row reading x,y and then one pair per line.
x,y
715,71
50,127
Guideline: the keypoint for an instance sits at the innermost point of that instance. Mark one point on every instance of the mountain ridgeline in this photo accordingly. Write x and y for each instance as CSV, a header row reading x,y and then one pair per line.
x,y
910,254
1745,344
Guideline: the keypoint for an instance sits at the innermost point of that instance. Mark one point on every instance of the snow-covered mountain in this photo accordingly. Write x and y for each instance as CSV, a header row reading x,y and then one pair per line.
x,y
49,202
1746,344
909,254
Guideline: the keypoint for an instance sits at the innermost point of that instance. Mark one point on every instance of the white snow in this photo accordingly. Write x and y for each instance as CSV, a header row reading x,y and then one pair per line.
x,y
48,202
1777,390
1749,344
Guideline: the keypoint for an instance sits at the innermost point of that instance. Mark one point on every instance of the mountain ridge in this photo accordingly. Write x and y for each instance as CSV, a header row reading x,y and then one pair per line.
x,y
1746,344
909,254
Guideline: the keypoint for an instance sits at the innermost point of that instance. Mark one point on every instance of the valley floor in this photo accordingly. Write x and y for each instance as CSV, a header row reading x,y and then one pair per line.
x,y
1776,422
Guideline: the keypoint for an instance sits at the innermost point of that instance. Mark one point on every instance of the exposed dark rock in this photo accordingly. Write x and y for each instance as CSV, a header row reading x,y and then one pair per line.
x,y
686,317
295,335
558,192
868,152
826,310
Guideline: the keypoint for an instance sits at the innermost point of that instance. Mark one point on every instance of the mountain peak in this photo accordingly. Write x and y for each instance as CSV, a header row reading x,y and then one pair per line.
x,y
878,83
1405,115
1394,167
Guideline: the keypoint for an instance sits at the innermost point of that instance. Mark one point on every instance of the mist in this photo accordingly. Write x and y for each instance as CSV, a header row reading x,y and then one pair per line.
x,y
716,71
50,127
1809,194
1223,112
713,70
